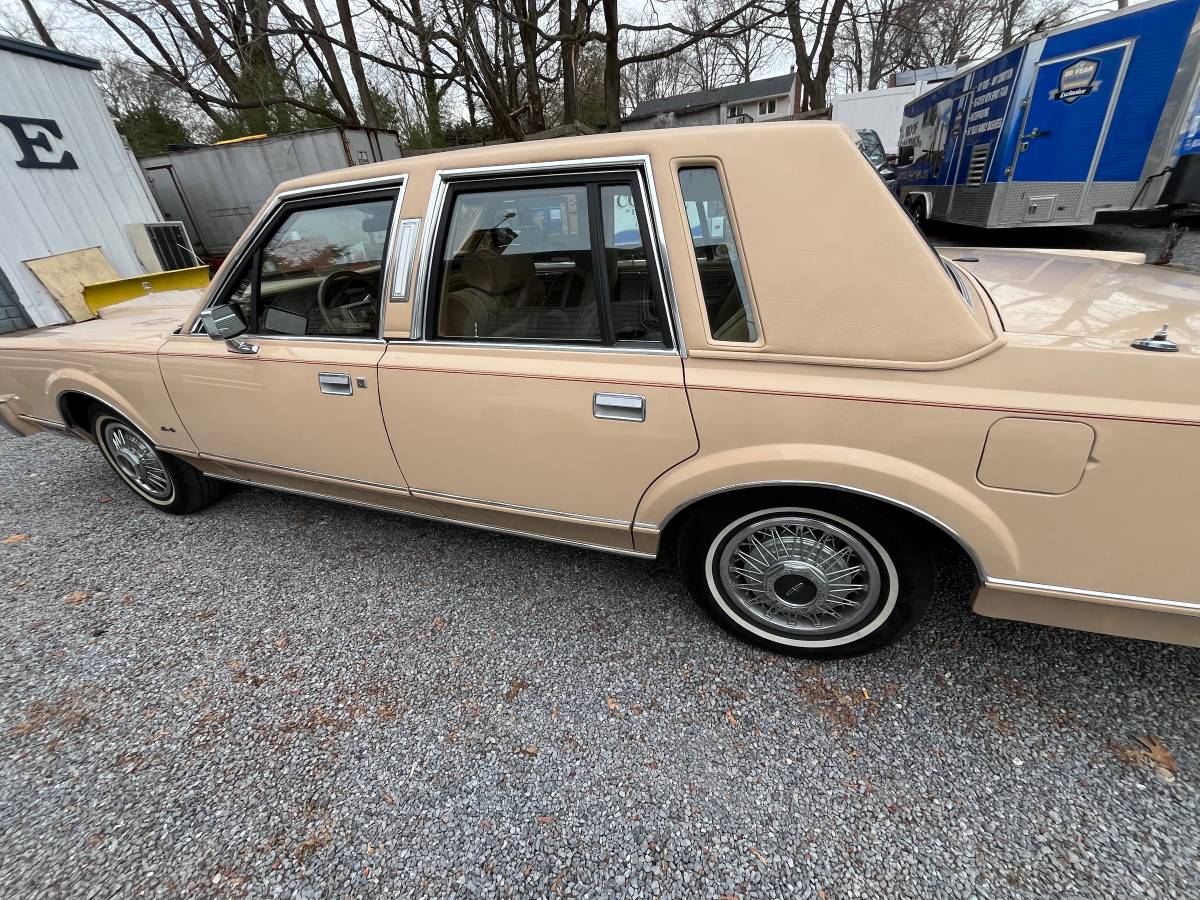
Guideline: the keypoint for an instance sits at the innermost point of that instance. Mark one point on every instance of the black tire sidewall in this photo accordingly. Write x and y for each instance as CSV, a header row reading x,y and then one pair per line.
x,y
905,567
917,211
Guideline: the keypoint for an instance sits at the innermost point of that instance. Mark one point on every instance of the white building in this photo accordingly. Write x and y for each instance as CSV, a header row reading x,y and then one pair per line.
x,y
67,180
754,101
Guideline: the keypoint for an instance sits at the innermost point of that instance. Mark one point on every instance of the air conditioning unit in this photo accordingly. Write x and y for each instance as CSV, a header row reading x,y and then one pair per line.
x,y
162,246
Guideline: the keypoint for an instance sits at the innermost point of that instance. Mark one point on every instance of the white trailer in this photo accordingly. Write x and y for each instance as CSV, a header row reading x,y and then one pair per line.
x,y
215,190
67,180
882,110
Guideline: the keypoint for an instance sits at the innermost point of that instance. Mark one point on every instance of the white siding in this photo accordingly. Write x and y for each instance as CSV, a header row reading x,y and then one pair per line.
x,y
783,108
49,211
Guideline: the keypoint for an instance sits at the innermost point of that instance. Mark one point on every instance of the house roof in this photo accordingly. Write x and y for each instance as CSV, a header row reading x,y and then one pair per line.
x,y
698,100
25,48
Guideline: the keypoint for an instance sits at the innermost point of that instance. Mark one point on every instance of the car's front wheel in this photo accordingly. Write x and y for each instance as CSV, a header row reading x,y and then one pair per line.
x,y
825,578
161,480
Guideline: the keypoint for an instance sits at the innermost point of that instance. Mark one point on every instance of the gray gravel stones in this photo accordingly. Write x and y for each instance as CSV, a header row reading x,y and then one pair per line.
x,y
286,698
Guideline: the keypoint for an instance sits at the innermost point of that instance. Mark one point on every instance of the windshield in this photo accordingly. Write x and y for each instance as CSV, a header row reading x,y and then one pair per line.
x,y
872,147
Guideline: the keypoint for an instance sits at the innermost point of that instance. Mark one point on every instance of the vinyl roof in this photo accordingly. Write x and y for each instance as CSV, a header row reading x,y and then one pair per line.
x,y
697,100
25,48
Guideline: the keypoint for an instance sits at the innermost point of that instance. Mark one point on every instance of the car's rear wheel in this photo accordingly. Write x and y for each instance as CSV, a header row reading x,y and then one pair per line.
x,y
820,577
163,481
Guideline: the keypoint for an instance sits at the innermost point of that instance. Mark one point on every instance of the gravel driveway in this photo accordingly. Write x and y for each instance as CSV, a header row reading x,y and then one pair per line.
x,y
284,697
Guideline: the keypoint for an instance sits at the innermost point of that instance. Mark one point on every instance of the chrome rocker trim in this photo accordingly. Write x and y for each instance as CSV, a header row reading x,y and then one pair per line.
x,y
1090,596
443,519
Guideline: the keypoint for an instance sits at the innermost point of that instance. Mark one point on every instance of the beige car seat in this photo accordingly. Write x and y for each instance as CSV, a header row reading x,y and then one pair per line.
x,y
495,284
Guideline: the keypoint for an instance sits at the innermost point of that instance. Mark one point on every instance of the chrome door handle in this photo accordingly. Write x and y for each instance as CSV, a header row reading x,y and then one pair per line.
x,y
335,383
625,407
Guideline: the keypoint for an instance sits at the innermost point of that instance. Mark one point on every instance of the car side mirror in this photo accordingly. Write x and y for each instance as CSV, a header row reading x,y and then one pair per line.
x,y
225,323
222,323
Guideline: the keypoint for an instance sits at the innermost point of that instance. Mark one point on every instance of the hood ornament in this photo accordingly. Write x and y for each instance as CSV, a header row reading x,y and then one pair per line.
x,y
1158,342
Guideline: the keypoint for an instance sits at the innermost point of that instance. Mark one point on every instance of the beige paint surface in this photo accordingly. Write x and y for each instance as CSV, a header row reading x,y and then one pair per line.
x,y
1045,456
875,374
65,274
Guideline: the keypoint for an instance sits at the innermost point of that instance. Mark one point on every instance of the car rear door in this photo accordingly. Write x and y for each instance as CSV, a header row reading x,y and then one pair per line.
x,y
542,390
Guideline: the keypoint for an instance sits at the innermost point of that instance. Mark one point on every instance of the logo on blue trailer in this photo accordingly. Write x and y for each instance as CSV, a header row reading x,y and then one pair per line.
x,y
1077,80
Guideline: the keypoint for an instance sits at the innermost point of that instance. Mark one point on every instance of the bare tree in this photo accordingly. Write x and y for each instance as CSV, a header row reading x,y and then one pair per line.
x,y
682,38
750,46
39,26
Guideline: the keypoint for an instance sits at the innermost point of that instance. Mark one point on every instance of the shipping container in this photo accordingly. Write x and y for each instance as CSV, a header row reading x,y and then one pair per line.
x,y
215,190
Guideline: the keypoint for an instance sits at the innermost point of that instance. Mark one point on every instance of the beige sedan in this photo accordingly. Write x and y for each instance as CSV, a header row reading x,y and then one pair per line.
x,y
728,345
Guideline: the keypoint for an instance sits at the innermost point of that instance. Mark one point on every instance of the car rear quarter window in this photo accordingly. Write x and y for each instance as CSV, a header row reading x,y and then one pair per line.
x,y
722,279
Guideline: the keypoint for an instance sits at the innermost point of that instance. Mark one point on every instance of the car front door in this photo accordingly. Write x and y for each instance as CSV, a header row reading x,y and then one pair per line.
x,y
542,390
296,394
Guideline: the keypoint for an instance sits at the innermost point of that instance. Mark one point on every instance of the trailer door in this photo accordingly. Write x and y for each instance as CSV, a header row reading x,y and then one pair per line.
x,y
1066,118
171,203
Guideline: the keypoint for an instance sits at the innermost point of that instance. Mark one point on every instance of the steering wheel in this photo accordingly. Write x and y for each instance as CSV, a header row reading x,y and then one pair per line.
x,y
327,295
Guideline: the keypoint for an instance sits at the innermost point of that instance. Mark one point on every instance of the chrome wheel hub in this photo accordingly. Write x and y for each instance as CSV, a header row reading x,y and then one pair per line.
x,y
800,575
137,461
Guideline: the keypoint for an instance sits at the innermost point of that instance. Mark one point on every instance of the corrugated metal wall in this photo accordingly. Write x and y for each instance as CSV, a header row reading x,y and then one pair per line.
x,y
48,211
215,191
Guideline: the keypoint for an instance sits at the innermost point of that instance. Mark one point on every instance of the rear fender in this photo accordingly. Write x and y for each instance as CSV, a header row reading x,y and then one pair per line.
x,y
963,515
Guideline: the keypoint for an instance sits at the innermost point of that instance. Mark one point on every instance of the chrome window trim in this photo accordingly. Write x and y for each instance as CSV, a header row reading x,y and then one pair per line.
x,y
638,165
269,213
318,337
338,187
404,255
518,345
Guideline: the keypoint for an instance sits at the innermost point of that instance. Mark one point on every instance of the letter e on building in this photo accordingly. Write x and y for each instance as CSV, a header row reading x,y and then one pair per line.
x,y
40,143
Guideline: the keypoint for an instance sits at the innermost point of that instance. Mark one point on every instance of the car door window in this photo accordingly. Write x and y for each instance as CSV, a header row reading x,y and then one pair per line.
x,y
631,295
517,265
318,272
556,261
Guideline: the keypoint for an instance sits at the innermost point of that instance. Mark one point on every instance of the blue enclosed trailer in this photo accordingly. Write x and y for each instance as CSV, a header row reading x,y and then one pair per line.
x,y
1095,118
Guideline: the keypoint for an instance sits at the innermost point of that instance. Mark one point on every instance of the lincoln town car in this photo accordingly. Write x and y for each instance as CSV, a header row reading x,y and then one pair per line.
x,y
725,347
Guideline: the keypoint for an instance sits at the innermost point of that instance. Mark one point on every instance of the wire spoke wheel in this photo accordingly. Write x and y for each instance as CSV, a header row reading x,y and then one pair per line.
x,y
137,461
800,575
